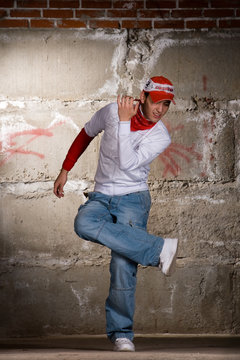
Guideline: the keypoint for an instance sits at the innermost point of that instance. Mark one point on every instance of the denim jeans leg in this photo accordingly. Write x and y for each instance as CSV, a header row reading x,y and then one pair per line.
x,y
131,210
119,222
94,222
120,304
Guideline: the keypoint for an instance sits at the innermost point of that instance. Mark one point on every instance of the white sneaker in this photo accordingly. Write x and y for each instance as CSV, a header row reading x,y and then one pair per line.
x,y
123,344
168,255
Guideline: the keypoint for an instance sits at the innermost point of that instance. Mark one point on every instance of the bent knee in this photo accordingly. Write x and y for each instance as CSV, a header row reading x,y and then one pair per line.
x,y
86,226
80,226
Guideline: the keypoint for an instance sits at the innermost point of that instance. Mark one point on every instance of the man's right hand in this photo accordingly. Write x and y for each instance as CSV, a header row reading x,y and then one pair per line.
x,y
59,183
126,107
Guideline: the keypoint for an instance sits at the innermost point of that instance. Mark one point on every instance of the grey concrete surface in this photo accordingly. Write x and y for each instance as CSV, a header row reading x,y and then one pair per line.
x,y
51,83
148,347
62,61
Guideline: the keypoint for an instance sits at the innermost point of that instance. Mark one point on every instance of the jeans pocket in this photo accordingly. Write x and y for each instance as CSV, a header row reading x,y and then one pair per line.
x,y
91,195
83,205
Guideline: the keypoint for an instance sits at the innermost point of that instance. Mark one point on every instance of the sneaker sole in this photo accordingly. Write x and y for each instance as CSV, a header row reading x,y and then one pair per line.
x,y
124,350
172,263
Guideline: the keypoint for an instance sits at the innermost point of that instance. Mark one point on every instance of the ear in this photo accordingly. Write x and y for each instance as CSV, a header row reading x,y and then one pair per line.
x,y
142,97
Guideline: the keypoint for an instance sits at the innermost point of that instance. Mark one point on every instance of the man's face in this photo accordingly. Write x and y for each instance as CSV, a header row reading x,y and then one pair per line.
x,y
153,111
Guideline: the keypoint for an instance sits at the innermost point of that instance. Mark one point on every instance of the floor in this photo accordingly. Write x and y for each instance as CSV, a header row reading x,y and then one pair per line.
x,y
148,347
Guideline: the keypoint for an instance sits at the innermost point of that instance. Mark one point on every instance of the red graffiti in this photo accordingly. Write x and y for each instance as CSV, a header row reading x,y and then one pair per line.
x,y
204,79
168,157
185,152
13,148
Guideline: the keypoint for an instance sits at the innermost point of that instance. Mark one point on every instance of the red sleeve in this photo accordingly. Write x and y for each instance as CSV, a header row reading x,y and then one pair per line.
x,y
77,148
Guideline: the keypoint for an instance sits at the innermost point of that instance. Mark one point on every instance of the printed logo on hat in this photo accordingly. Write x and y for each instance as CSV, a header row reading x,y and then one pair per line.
x,y
152,86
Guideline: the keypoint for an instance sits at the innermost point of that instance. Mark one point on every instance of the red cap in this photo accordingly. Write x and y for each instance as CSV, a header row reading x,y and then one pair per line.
x,y
160,88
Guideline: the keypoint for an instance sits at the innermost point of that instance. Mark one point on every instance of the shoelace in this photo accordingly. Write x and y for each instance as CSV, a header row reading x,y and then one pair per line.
x,y
123,341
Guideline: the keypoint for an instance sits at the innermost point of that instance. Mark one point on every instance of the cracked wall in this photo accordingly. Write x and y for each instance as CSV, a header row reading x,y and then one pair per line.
x,y
51,82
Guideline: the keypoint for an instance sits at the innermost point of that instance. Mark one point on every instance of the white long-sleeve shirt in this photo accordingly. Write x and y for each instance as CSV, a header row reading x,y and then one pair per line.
x,y
125,155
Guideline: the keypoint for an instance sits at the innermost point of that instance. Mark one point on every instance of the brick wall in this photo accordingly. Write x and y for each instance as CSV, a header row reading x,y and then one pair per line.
x,y
142,14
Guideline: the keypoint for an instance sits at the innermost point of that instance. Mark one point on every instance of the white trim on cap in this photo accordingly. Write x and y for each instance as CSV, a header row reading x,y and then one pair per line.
x,y
152,86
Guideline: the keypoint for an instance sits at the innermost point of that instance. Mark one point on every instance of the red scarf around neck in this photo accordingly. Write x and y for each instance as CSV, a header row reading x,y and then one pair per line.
x,y
138,122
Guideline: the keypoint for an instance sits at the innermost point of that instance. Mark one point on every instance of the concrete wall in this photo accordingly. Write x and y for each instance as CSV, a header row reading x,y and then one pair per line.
x,y
51,82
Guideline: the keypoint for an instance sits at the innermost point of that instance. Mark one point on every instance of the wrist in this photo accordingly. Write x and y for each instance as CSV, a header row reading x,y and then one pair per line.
x,y
125,119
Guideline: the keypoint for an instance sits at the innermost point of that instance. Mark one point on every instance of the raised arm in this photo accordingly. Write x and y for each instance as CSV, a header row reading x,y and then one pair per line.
x,y
132,157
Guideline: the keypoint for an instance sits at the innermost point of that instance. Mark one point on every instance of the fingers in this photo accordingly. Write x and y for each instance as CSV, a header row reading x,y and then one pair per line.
x,y
59,183
119,100
125,100
126,107
136,106
58,190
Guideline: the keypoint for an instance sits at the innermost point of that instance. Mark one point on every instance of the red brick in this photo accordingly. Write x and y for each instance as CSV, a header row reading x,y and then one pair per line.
x,y
11,23
229,23
32,3
42,23
128,5
25,13
96,4
225,3
2,13
137,24
193,4
186,13
121,13
64,4
200,24
85,14
171,24
6,3
71,24
58,13
153,13
215,13
104,24
167,4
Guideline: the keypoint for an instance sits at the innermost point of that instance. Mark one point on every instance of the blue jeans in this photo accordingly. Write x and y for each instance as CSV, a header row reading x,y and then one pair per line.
x,y
119,222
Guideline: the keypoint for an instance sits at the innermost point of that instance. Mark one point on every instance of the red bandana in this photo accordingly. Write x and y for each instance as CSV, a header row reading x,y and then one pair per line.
x,y
138,122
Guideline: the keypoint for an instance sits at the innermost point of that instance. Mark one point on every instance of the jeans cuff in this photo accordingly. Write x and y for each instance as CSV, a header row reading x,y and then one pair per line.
x,y
156,259
118,335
